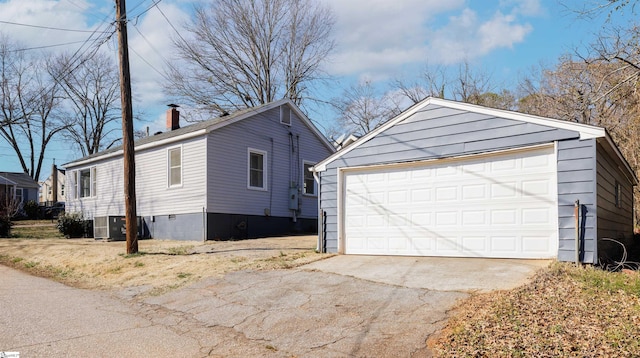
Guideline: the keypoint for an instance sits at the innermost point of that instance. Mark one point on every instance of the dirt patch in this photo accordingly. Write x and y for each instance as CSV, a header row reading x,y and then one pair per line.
x,y
160,265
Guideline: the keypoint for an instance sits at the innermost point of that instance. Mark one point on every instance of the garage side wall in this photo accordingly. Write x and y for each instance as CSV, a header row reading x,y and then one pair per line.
x,y
329,204
433,133
615,206
577,181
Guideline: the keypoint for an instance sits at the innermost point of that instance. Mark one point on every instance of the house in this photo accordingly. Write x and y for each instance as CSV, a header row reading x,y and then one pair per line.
x,y
446,178
19,186
242,175
16,189
52,188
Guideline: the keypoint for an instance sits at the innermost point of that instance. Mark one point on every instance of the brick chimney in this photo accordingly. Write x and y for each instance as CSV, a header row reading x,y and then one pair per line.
x,y
173,117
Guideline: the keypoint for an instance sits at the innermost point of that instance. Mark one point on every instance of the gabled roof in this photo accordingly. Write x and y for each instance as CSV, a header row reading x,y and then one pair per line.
x,y
21,180
586,131
202,128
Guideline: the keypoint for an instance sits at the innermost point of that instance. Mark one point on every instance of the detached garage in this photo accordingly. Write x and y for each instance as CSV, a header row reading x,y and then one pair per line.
x,y
452,179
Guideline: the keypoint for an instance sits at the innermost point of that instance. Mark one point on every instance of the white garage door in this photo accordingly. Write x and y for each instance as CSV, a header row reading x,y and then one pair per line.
x,y
490,206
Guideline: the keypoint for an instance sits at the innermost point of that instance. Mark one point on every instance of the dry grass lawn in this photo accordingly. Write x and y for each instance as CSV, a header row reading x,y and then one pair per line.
x,y
564,312
160,265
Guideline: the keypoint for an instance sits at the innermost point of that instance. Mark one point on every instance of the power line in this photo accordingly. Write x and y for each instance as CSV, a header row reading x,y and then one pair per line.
x,y
46,46
155,2
170,24
45,27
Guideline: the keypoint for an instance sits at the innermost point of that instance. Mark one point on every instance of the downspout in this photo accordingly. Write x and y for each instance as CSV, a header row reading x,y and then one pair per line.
x,y
576,212
320,234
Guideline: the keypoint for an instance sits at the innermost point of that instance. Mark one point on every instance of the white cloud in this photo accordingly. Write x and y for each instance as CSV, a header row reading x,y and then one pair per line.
x,y
379,38
467,37
524,7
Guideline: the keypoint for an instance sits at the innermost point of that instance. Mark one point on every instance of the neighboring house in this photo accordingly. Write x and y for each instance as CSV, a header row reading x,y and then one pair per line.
x,y
452,179
19,186
52,189
242,175
344,140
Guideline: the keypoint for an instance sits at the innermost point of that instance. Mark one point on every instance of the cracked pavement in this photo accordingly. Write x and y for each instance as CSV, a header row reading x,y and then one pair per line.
x,y
310,311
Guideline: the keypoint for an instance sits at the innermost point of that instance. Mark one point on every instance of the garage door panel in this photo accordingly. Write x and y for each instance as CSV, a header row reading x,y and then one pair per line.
x,y
502,206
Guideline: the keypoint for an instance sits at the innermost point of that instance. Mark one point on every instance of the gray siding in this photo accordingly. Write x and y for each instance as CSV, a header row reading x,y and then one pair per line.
x,y
440,132
153,195
615,222
173,227
227,166
577,181
329,204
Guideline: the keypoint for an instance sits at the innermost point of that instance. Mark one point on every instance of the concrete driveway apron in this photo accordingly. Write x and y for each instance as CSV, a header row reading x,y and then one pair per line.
x,y
343,306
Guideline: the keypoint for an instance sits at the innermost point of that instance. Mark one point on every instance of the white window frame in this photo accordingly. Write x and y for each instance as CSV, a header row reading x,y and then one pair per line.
x,y
19,198
169,167
304,173
93,182
285,109
264,169
73,180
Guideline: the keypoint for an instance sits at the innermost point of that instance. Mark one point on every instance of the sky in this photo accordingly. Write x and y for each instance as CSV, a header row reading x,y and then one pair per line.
x,y
377,40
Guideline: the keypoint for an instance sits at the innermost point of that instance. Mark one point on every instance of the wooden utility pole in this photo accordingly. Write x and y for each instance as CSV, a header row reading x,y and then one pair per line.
x,y
127,131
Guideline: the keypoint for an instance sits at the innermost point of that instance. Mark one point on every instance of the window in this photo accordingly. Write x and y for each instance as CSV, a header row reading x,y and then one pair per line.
x,y
175,167
285,115
19,195
85,182
618,194
257,172
308,180
62,190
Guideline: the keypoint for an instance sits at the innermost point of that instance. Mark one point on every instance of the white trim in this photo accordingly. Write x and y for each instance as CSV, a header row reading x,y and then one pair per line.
x,y
93,173
315,185
586,131
168,151
447,159
138,148
341,173
265,184
8,181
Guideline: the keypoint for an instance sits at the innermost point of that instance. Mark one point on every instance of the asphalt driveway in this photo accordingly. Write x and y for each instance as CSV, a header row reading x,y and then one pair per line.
x,y
338,307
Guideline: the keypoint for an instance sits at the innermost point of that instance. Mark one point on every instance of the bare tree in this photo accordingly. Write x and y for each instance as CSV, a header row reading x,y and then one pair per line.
x,y
592,92
361,109
91,86
242,53
464,84
29,105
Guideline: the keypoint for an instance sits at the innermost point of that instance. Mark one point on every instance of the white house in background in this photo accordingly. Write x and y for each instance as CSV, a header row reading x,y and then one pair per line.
x,y
242,175
52,189
446,178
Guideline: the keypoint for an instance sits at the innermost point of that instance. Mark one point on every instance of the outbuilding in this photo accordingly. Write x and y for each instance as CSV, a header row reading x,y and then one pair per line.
x,y
446,178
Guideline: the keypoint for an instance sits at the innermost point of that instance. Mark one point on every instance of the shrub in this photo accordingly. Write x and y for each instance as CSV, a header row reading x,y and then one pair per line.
x,y
31,209
72,225
5,226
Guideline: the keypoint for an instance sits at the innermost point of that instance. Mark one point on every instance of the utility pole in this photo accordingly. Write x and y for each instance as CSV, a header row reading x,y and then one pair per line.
x,y
127,131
